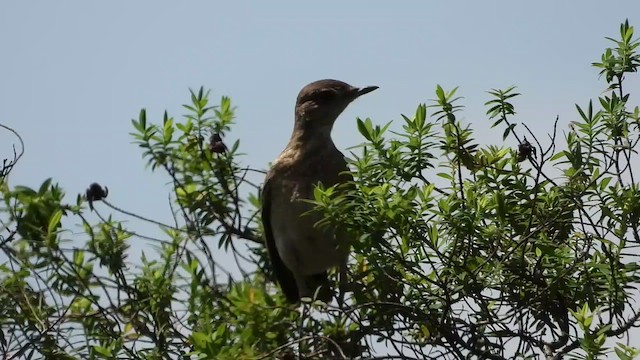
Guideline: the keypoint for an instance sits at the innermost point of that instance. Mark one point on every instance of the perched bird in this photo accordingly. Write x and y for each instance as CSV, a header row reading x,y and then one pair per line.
x,y
301,253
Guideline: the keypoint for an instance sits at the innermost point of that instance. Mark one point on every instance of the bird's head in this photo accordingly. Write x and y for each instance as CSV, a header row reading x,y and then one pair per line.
x,y
320,103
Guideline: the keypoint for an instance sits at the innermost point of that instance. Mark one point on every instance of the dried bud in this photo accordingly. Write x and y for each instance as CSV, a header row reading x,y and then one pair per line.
x,y
95,192
216,145
525,150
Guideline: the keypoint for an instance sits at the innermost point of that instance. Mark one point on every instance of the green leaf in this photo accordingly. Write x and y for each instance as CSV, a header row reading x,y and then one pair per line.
x,y
45,186
142,118
200,340
105,352
440,93
421,115
622,355
507,131
78,257
54,222
364,129
559,155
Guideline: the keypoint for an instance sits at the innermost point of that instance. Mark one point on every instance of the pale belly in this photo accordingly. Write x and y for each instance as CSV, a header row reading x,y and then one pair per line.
x,y
305,249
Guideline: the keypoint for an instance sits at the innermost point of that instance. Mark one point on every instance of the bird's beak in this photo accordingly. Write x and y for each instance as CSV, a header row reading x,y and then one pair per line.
x,y
365,90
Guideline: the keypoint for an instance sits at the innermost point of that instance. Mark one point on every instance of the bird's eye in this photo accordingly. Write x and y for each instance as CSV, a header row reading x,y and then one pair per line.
x,y
324,95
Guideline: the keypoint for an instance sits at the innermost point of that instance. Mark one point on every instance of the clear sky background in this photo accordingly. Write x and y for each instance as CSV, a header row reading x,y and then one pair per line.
x,y
74,73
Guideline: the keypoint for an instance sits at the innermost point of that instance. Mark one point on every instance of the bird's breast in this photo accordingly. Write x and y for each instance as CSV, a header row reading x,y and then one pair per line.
x,y
304,247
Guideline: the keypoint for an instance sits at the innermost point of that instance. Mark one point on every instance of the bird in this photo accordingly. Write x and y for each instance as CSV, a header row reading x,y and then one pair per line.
x,y
300,252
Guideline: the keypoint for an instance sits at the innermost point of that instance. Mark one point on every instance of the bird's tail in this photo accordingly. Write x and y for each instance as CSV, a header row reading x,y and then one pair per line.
x,y
319,287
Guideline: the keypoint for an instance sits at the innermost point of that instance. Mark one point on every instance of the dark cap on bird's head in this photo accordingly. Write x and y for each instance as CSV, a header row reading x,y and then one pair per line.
x,y
323,100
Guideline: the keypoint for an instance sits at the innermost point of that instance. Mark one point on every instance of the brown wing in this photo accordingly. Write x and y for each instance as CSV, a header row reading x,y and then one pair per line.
x,y
283,274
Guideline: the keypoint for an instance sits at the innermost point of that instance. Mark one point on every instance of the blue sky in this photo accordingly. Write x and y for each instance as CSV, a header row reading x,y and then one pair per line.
x,y
74,73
